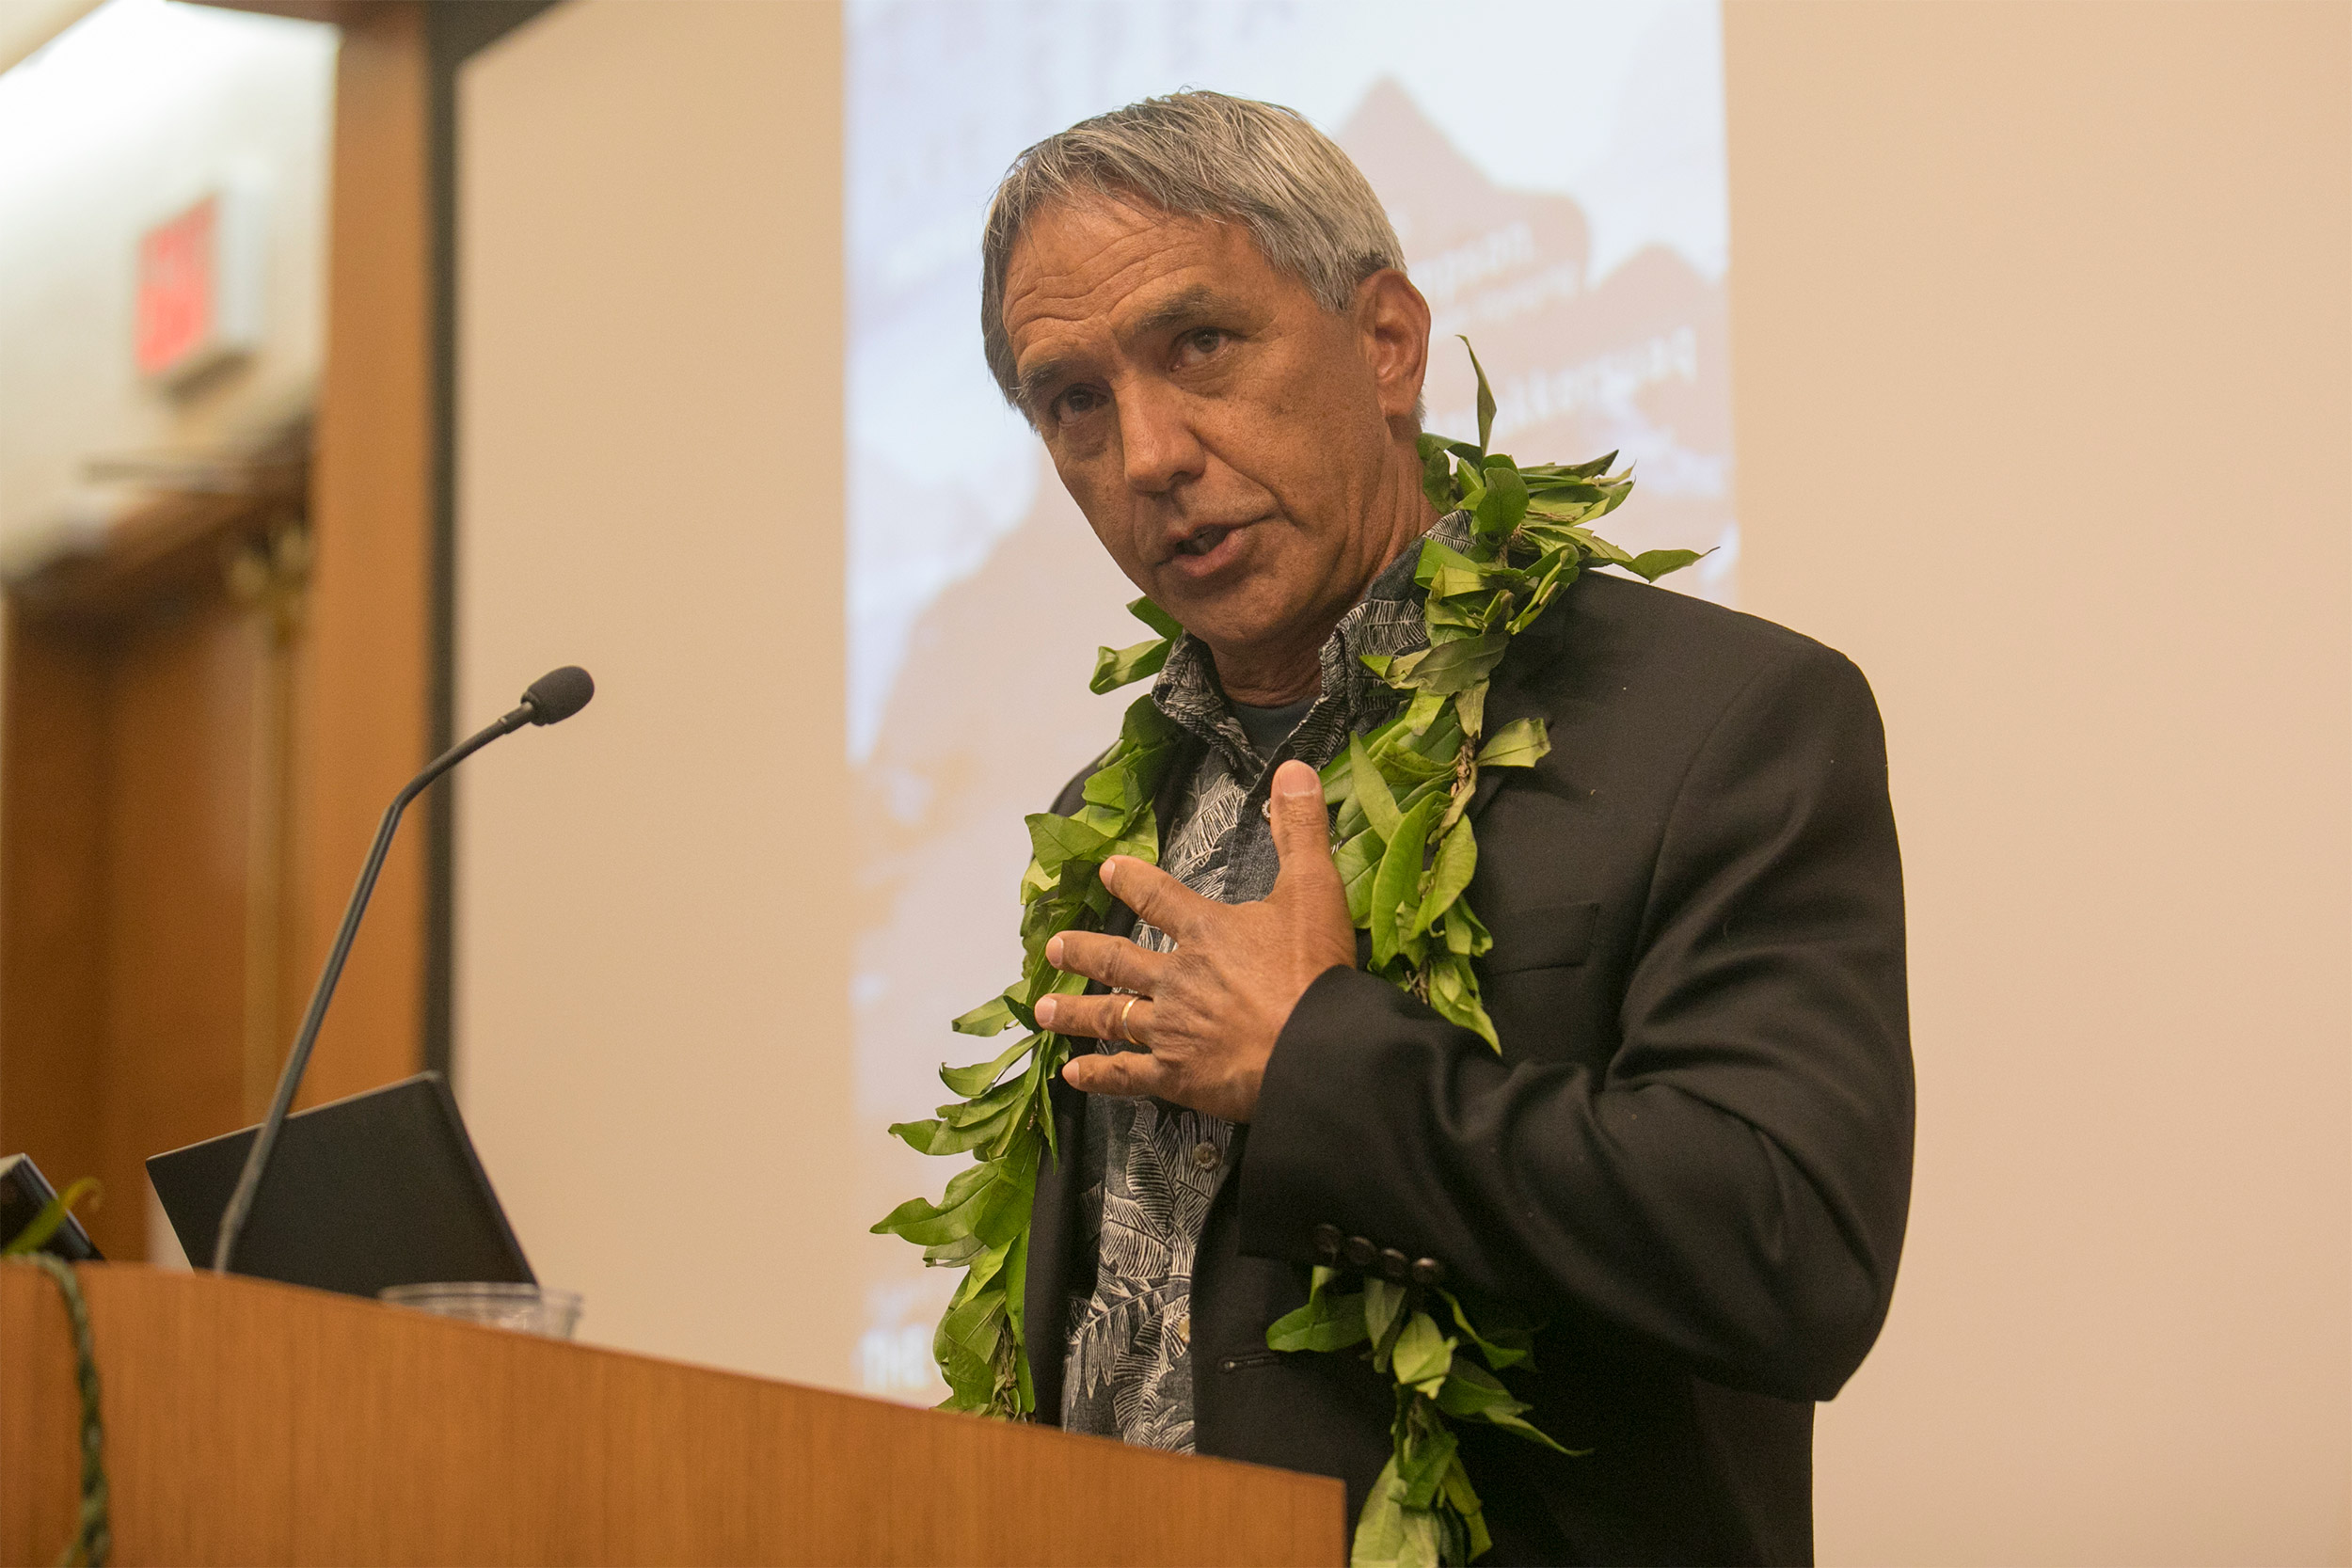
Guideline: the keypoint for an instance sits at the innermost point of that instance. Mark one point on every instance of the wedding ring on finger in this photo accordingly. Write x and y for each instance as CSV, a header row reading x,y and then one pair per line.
x,y
1118,1025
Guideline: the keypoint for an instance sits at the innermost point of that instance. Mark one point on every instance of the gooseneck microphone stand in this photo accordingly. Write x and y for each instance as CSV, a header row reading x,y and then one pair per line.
x,y
552,698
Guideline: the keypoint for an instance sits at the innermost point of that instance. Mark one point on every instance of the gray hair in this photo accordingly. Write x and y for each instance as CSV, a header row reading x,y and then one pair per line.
x,y
1197,154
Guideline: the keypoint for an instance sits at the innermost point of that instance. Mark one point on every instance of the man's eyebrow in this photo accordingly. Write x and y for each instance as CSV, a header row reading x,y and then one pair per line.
x,y
1033,382
1184,306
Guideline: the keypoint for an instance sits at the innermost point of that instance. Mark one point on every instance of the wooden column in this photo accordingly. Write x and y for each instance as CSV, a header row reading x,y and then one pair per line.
x,y
362,691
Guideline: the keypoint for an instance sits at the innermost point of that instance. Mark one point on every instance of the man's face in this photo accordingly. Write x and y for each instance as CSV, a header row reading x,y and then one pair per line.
x,y
1234,445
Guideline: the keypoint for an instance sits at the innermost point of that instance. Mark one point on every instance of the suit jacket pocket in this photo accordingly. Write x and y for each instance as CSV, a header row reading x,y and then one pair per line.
x,y
1542,936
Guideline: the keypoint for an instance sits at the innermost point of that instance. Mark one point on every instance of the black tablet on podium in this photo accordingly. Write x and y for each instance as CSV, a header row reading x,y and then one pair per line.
x,y
380,1189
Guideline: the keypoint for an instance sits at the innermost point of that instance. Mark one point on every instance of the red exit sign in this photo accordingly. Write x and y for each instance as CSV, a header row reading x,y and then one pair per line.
x,y
198,298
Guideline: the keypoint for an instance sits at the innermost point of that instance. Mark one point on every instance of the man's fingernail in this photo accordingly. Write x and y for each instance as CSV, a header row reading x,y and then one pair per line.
x,y
1110,870
1053,952
1297,778
1046,1006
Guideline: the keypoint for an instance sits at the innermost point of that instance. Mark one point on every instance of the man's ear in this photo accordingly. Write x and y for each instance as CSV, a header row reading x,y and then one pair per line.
x,y
1392,334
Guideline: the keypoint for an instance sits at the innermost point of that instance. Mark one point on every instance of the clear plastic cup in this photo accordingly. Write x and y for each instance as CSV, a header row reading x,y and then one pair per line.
x,y
531,1309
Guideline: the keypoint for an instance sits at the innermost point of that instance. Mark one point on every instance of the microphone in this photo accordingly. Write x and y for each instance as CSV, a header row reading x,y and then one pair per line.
x,y
551,699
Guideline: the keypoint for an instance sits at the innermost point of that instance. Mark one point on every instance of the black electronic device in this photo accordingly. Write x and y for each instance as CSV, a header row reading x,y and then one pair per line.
x,y
24,1193
383,1188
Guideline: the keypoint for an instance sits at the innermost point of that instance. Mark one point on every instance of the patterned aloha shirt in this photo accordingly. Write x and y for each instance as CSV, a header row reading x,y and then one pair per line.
x,y
1148,1170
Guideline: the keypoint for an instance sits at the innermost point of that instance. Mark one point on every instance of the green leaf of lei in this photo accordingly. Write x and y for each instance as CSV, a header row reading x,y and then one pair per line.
x,y
1520,744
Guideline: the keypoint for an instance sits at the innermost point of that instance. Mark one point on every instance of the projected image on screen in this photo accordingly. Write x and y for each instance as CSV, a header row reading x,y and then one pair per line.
x,y
1556,174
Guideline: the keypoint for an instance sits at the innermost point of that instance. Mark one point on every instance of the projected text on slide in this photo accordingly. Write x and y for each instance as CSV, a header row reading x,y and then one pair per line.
x,y
1557,173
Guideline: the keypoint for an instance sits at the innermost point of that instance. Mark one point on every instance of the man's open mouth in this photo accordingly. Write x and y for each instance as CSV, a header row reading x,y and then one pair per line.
x,y
1204,541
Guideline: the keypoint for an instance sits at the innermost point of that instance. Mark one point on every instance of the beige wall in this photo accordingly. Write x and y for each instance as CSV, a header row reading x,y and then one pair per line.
x,y
2044,378
652,1018
2044,397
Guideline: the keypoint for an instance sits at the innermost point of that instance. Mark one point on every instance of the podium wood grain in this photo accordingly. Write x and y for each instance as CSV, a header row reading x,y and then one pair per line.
x,y
256,1423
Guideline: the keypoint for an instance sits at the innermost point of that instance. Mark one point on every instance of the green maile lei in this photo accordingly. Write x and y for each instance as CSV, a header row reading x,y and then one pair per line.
x,y
93,1527
1406,852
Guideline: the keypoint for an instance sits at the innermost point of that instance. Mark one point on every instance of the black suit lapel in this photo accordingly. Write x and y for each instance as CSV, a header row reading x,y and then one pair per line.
x,y
1053,1235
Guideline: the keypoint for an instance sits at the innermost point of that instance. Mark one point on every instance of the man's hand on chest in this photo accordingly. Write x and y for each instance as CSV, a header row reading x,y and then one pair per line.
x,y
1207,1015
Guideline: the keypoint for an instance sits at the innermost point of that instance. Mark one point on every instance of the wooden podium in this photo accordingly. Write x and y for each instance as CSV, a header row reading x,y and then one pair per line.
x,y
256,1423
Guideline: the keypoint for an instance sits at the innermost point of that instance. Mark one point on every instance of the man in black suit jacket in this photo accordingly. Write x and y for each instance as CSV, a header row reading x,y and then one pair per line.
x,y
1691,1156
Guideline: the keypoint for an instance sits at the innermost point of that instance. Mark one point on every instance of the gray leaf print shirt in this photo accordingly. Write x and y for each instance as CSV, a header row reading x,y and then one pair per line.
x,y
1148,1170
